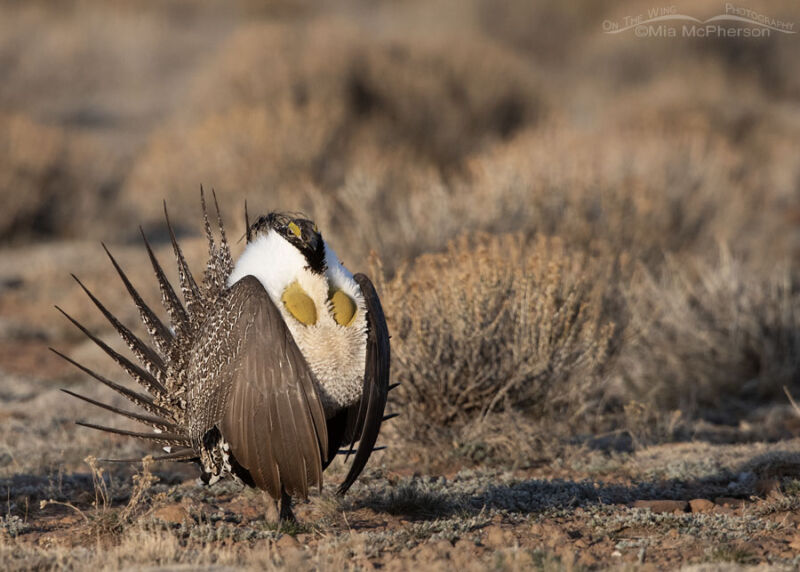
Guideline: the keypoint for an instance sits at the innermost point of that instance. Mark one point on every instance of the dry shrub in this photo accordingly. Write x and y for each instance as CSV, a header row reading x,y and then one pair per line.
x,y
495,323
626,190
46,179
288,122
711,337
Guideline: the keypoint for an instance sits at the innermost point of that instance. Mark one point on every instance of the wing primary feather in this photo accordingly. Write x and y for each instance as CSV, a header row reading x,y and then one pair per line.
x,y
151,360
359,423
159,333
294,478
143,401
153,421
376,383
273,420
137,373
393,386
163,438
175,310
388,417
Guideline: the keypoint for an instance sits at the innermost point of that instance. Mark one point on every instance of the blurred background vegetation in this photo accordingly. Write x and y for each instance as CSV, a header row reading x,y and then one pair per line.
x,y
573,232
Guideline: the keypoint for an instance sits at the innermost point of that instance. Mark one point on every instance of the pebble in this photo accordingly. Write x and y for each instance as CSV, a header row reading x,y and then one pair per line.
x,y
287,541
768,488
701,505
173,514
729,502
495,537
662,505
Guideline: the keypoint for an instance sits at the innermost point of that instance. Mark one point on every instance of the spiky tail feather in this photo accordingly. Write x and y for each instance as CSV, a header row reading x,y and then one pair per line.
x,y
159,364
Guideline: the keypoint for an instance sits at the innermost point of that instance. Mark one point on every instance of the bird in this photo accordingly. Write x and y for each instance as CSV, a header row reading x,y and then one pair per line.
x,y
266,370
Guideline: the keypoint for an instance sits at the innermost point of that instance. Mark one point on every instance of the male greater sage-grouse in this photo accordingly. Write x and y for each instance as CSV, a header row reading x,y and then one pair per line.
x,y
271,366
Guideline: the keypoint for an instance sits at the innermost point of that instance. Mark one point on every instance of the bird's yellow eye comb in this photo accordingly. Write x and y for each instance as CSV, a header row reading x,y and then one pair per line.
x,y
295,230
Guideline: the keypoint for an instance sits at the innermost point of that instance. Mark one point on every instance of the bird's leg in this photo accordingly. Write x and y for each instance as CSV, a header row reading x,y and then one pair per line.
x,y
272,515
286,508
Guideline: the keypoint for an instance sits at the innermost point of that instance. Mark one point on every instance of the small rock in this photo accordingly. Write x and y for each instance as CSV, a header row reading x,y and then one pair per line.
x,y
249,512
768,488
425,553
173,514
701,505
729,502
443,547
795,543
662,505
68,520
287,541
673,532
495,536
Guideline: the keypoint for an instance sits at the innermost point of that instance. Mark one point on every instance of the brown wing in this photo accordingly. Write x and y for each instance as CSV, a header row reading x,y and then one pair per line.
x,y
272,419
364,418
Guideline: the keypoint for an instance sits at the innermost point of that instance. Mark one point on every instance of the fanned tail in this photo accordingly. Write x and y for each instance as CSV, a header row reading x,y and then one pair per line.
x,y
184,454
225,256
168,439
146,356
144,401
144,379
161,335
152,420
220,261
189,287
160,366
169,299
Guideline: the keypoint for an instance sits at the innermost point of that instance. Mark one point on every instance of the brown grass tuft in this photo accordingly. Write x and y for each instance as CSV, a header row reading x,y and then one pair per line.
x,y
46,175
495,323
711,336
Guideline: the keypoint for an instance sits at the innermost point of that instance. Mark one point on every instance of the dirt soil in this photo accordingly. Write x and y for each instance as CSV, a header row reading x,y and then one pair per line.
x,y
607,504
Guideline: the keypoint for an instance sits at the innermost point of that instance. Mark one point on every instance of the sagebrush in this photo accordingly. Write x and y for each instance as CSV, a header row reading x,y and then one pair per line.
x,y
496,323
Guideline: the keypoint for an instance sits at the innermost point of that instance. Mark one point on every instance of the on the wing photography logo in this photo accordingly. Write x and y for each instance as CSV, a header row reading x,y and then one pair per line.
x,y
668,22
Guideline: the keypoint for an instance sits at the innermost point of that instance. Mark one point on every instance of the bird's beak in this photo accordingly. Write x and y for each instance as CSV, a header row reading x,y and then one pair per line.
x,y
314,241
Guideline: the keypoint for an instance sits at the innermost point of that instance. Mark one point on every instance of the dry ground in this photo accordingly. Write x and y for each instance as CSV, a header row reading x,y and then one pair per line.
x,y
587,247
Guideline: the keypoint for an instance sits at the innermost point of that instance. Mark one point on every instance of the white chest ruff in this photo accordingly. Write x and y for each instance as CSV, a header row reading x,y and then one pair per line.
x,y
335,354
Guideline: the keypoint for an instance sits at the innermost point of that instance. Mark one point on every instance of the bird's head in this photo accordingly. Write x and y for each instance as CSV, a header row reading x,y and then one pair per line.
x,y
300,232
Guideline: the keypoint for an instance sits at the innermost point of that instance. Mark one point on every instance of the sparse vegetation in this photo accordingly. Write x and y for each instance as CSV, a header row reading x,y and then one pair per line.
x,y
496,323
586,245
748,324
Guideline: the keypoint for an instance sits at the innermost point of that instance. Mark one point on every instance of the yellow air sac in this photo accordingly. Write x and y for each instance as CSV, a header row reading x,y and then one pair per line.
x,y
344,308
299,304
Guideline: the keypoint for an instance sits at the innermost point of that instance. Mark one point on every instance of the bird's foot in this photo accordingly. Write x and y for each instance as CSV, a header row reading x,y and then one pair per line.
x,y
286,515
